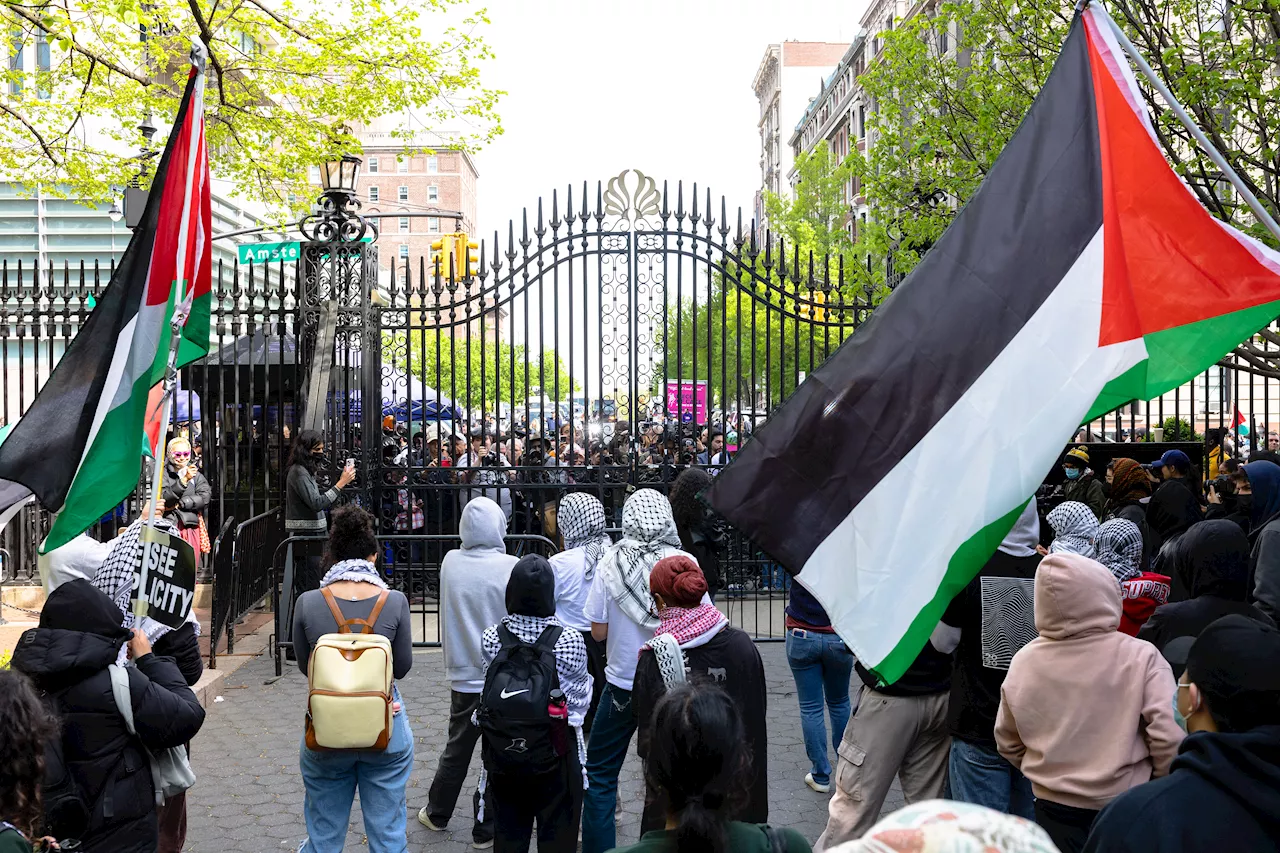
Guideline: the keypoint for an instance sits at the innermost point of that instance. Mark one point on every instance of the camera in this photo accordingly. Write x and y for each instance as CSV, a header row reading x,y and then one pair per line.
x,y
491,459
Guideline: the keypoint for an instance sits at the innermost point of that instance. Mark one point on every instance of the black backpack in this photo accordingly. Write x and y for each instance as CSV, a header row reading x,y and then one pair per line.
x,y
66,815
520,735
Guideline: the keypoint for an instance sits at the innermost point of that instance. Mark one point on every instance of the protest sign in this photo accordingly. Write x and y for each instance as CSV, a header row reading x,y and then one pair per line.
x,y
165,570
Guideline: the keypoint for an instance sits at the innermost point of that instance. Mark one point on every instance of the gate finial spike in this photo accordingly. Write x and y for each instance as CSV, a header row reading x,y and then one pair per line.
x,y
665,212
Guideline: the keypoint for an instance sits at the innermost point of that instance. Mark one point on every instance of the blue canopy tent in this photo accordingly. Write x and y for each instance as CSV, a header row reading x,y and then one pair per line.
x,y
410,399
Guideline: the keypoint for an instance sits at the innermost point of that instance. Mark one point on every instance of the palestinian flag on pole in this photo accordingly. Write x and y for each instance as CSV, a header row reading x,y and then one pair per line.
x,y
79,447
1083,274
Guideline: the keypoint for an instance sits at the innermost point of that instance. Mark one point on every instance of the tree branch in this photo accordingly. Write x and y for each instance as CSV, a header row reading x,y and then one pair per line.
x,y
35,20
48,152
206,36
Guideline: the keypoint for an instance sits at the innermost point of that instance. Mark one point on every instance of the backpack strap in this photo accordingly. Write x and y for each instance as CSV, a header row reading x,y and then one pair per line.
x,y
546,642
508,638
344,624
124,704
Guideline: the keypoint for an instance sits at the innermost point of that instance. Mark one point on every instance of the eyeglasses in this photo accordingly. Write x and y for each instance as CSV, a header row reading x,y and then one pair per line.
x,y
181,454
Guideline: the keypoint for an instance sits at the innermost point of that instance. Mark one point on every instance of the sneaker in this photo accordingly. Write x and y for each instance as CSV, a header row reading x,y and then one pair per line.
x,y
820,787
482,845
425,820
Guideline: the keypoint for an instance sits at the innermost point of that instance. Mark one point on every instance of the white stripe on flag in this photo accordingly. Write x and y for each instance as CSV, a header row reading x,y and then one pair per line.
x,y
885,561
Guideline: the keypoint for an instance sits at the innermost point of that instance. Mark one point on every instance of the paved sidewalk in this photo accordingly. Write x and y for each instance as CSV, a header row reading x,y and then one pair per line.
x,y
249,794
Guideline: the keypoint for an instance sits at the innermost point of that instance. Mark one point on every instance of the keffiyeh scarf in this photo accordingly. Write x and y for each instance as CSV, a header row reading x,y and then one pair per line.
x,y
1119,546
116,578
687,624
943,826
648,534
1074,526
581,522
353,570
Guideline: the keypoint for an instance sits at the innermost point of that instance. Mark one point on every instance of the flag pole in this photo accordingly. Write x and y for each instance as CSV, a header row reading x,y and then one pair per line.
x,y
182,306
1189,123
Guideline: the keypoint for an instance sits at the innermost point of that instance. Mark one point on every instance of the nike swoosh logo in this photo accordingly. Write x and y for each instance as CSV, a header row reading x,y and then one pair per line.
x,y
505,695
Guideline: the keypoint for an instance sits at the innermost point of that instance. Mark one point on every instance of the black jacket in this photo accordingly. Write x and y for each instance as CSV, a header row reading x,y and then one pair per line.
x,y
704,544
1212,563
109,765
732,661
192,499
1222,793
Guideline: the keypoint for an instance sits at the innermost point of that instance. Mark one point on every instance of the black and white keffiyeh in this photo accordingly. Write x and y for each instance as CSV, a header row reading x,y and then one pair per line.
x,y
116,578
1074,526
648,535
1119,546
353,570
581,522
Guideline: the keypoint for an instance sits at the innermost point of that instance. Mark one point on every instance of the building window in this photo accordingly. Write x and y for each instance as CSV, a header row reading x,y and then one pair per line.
x,y
404,225
433,193
862,121
42,63
433,224
15,61
402,164
373,165
313,174
404,251
402,192
944,41
433,165
373,193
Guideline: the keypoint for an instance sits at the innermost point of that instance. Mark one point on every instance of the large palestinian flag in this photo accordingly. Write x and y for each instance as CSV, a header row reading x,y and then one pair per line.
x,y
1082,275
79,447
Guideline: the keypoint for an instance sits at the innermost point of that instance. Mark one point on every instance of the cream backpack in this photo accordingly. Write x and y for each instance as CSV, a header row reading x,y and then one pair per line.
x,y
349,681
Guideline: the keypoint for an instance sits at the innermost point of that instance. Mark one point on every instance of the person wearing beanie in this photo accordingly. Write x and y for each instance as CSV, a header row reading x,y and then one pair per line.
x,y
1082,484
554,802
1223,791
1086,711
694,642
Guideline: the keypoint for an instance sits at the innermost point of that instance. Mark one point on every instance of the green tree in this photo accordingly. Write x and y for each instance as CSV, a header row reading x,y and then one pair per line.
x,y
282,76
475,370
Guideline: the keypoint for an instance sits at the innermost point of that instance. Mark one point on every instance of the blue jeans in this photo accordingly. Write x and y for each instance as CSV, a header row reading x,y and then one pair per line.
x,y
331,780
980,775
821,664
611,732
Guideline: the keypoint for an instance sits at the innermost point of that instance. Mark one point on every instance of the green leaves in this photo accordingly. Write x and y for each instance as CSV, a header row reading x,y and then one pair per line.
x,y
280,76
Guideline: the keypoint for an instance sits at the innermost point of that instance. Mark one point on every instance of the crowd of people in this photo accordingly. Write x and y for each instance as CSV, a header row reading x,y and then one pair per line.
x,y
1113,685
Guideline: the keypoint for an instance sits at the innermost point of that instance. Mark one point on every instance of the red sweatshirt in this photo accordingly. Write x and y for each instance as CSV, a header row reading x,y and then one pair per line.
x,y
1142,595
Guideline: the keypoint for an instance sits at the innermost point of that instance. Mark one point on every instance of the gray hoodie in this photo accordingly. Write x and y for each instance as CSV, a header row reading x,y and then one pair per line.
x,y
473,592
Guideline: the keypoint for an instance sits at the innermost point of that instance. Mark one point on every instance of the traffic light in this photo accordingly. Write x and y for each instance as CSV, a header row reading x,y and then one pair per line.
x,y
455,248
812,310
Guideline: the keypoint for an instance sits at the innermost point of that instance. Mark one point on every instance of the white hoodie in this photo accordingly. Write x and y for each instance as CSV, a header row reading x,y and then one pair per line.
x,y
473,592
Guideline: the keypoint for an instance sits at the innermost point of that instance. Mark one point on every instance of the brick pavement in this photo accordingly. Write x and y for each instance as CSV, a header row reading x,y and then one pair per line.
x,y
249,794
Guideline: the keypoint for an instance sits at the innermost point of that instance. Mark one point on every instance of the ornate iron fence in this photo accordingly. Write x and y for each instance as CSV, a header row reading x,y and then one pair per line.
x,y
599,344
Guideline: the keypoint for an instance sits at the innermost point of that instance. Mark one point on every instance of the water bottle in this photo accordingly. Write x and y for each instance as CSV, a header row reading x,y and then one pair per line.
x,y
558,711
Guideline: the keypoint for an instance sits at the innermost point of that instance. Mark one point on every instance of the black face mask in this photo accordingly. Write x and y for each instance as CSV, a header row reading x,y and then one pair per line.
x,y
1244,503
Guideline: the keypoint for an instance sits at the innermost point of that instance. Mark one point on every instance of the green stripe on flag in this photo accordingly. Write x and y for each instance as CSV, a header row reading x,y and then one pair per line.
x,y
965,563
1176,356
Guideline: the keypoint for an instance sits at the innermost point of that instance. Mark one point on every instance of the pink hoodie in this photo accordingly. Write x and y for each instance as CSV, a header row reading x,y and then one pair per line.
x,y
1086,712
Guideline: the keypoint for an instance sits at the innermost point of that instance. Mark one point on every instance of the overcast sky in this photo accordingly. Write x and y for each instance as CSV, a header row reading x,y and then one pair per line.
x,y
664,86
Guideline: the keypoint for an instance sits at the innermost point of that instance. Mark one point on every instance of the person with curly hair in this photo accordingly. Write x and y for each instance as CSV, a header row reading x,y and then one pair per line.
x,y
25,725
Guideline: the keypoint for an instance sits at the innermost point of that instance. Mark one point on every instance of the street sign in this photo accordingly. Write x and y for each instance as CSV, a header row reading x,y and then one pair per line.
x,y
267,253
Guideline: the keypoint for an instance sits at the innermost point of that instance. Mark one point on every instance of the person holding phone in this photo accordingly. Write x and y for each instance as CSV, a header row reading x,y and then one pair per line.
x,y
305,504
186,494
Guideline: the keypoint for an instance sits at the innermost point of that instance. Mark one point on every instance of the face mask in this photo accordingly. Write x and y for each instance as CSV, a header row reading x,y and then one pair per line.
x,y
1073,473
1177,715
1244,502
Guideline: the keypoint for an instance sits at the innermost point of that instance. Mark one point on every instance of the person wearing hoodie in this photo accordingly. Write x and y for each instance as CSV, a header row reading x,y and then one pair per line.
x,y
1224,502
995,617
623,614
1119,548
1264,560
1082,485
580,521
1174,507
80,635
709,649
1223,791
553,799
473,595
1074,527
1213,562
1086,712
1128,498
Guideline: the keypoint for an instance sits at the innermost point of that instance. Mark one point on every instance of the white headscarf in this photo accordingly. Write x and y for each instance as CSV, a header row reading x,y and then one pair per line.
x,y
1074,526
1119,545
581,522
648,535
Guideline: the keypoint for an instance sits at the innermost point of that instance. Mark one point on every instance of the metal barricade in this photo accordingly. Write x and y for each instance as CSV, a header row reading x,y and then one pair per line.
x,y
420,581
241,574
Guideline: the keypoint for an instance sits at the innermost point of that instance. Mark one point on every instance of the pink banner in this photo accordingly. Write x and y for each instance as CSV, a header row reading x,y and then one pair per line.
x,y
687,401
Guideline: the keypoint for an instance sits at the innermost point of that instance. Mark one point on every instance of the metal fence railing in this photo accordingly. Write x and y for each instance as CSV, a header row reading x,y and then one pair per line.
x,y
241,574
